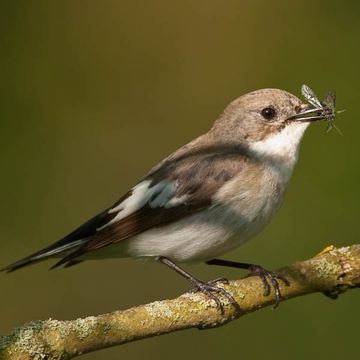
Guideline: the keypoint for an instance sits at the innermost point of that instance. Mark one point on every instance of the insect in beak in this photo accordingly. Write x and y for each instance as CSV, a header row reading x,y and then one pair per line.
x,y
318,110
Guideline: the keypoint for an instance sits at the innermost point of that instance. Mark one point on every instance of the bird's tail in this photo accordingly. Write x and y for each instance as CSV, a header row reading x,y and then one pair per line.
x,y
58,249
68,244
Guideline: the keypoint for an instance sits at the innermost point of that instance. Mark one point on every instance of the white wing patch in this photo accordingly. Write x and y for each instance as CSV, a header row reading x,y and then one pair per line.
x,y
139,197
159,195
165,191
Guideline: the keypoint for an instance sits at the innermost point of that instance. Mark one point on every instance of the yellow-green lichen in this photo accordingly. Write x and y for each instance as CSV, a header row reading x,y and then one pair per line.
x,y
85,327
159,309
25,340
346,251
81,327
62,327
325,268
200,301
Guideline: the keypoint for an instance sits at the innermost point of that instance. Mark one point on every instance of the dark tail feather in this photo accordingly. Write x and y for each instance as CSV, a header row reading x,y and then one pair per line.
x,y
19,264
47,253
32,259
68,245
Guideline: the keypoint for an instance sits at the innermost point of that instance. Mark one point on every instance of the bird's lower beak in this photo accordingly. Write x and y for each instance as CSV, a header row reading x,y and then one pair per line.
x,y
307,113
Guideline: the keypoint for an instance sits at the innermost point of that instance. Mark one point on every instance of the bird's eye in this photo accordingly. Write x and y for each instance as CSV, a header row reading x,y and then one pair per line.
x,y
268,113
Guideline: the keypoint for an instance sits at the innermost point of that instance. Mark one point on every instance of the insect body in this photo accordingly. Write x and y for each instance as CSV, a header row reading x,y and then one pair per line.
x,y
326,107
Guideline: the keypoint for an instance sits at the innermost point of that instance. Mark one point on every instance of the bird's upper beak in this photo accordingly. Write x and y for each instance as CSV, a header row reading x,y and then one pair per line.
x,y
308,113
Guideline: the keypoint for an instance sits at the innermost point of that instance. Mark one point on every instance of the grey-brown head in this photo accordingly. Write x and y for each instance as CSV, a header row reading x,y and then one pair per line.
x,y
269,121
259,114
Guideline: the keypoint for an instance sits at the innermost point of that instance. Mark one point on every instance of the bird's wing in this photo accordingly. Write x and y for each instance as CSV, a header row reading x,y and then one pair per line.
x,y
181,185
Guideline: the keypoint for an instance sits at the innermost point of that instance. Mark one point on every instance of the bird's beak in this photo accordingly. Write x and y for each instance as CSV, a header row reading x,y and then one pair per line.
x,y
308,113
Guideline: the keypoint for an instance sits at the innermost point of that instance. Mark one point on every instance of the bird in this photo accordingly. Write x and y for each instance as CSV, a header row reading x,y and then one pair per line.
x,y
206,198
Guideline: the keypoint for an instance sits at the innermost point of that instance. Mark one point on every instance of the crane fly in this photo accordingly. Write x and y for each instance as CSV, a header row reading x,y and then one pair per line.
x,y
326,107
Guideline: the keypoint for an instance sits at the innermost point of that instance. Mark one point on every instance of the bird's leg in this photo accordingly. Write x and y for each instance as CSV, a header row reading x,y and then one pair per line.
x,y
257,270
207,288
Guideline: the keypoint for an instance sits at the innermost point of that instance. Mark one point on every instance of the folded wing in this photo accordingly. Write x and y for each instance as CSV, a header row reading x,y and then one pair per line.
x,y
180,186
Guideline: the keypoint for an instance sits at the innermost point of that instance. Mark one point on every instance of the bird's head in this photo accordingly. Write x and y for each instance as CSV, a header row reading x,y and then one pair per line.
x,y
270,122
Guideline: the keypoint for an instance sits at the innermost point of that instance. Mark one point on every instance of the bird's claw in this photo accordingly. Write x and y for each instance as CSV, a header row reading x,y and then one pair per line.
x,y
210,288
273,277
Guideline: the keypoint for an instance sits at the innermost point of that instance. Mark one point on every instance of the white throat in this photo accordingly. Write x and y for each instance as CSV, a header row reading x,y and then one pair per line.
x,y
281,149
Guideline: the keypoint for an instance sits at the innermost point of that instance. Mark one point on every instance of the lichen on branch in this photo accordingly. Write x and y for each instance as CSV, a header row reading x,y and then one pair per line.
x,y
332,272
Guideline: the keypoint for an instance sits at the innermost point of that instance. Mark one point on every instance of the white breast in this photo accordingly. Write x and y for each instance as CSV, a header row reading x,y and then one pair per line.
x,y
281,149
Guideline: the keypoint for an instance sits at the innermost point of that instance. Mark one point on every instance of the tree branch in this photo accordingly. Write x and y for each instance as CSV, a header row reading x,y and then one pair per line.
x,y
333,271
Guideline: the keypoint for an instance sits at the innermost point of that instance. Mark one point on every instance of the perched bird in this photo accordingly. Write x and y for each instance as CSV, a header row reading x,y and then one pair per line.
x,y
206,198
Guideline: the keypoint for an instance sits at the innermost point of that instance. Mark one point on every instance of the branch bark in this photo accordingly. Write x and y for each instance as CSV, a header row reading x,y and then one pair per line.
x,y
332,272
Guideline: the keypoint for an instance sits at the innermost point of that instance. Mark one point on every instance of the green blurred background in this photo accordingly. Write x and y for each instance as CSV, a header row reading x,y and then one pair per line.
x,y
94,93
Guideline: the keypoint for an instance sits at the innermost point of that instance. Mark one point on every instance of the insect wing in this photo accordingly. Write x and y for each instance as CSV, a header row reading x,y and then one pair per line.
x,y
329,100
310,96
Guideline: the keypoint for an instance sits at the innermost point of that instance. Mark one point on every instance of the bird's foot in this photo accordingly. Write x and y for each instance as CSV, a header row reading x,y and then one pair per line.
x,y
210,288
267,276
